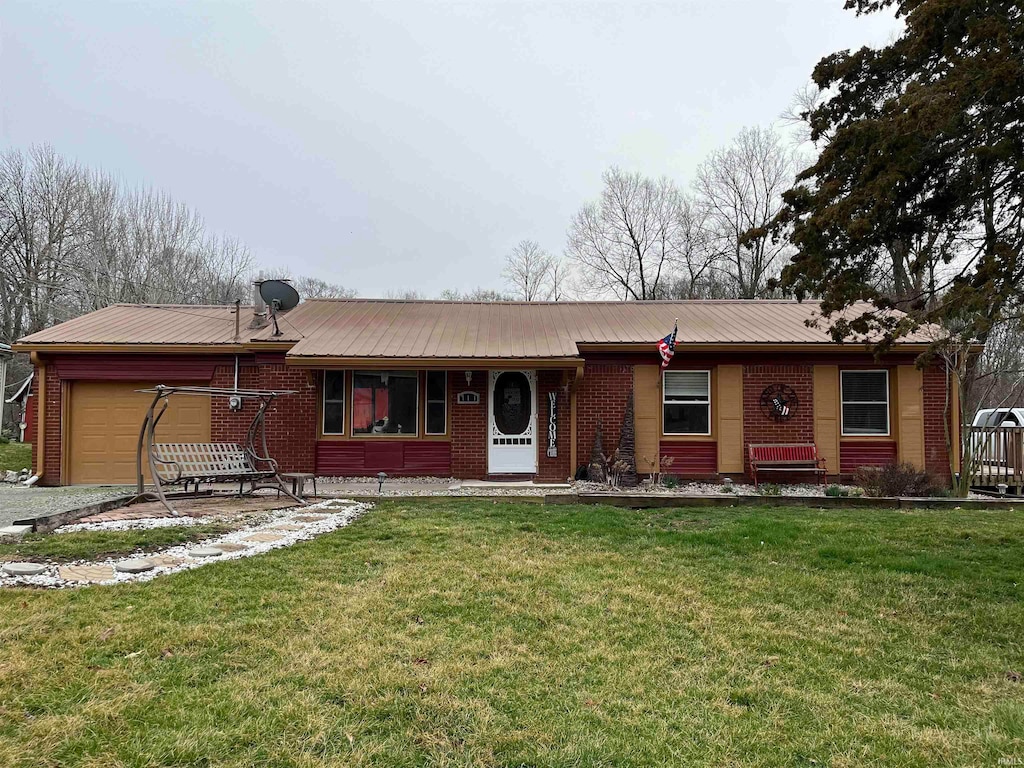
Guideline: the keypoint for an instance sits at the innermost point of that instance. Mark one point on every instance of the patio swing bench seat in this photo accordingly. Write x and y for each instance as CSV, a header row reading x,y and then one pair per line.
x,y
188,463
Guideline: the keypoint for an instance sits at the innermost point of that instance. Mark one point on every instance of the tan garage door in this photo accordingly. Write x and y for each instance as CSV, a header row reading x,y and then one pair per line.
x,y
104,421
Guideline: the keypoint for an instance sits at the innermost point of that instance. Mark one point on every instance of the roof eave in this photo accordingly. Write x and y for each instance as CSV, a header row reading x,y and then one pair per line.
x,y
171,348
468,363
751,346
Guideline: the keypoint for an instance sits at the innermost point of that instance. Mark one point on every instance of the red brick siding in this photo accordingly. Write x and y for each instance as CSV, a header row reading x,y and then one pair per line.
x,y
469,426
856,454
602,396
553,469
759,428
936,455
291,419
691,459
227,426
396,457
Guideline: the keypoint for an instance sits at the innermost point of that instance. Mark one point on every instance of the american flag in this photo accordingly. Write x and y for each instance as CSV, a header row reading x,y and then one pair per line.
x,y
667,346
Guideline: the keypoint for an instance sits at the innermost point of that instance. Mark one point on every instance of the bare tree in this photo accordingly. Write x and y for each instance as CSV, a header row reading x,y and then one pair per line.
x,y
625,242
476,294
315,288
527,271
740,187
72,241
559,280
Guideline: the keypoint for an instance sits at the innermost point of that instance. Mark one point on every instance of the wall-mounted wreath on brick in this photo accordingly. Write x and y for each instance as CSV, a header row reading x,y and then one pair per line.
x,y
779,402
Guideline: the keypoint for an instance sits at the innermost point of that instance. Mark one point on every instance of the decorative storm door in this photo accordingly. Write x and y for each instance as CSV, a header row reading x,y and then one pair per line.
x,y
512,433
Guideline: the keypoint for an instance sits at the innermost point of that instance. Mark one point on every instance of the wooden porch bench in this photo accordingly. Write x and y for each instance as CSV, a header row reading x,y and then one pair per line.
x,y
786,457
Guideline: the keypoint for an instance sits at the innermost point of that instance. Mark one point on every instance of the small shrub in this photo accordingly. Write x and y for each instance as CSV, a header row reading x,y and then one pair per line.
x,y
769,489
727,489
4,440
898,480
670,481
836,490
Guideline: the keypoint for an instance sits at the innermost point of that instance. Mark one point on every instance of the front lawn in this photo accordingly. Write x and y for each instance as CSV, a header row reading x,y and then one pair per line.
x,y
458,632
93,545
15,456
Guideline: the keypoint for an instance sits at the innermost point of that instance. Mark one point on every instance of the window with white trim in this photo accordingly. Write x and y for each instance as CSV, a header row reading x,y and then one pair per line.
x,y
865,397
686,402
437,416
334,403
385,403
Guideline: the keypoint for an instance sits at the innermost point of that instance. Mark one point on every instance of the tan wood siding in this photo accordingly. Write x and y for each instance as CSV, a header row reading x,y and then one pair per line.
x,y
826,415
909,417
647,412
103,428
729,407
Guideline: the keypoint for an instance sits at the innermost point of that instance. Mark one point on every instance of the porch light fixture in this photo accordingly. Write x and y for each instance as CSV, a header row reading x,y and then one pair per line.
x,y
469,378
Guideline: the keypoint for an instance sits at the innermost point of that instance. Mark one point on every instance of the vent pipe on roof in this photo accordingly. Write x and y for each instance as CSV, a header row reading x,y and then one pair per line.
x,y
259,307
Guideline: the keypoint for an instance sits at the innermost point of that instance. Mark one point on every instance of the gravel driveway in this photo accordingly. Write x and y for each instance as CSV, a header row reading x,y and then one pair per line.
x,y
18,502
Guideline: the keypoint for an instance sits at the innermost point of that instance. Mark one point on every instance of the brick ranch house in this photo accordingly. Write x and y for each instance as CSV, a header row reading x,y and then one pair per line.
x,y
478,390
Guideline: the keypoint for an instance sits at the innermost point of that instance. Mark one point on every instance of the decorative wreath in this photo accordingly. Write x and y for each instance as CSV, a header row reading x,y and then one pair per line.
x,y
779,402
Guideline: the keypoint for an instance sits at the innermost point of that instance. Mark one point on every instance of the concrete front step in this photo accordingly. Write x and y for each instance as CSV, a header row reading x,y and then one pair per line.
x,y
14,531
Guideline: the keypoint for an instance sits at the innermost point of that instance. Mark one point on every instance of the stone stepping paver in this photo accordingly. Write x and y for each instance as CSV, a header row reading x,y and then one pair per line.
x,y
87,573
165,561
228,546
23,569
285,527
309,518
205,552
264,537
134,566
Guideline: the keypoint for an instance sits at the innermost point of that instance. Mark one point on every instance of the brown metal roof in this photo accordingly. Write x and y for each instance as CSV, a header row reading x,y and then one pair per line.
x,y
148,324
382,328
358,328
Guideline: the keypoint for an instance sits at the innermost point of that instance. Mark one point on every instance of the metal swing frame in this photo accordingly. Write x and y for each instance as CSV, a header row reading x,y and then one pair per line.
x,y
187,463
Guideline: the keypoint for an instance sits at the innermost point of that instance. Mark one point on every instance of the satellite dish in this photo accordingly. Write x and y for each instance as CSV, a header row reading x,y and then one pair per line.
x,y
280,297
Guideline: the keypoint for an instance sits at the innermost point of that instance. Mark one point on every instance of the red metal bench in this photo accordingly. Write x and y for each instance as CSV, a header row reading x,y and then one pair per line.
x,y
787,457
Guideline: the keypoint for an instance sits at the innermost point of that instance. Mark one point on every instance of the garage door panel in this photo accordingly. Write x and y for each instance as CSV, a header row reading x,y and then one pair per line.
x,y
104,420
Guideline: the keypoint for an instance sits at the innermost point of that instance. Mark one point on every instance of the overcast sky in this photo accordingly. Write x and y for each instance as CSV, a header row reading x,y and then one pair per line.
x,y
390,145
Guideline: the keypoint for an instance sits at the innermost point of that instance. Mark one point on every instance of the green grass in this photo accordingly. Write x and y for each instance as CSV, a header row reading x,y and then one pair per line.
x,y
502,634
15,456
84,545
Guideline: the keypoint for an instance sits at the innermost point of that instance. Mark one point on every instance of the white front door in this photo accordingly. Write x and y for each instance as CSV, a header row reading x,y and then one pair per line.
x,y
512,420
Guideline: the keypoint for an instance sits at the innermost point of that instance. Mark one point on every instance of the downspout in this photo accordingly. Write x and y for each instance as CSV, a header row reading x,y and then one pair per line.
x,y
236,373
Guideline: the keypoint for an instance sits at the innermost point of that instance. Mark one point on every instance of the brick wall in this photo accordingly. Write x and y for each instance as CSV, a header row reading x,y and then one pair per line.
x,y
553,469
936,459
758,428
469,426
602,396
51,430
291,419
227,426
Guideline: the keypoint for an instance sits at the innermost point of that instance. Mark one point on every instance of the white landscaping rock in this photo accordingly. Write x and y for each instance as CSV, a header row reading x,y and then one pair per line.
x,y
337,513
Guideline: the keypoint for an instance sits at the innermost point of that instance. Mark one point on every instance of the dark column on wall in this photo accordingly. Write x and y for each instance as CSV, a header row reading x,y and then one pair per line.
x,y
936,456
759,428
553,469
469,425
601,395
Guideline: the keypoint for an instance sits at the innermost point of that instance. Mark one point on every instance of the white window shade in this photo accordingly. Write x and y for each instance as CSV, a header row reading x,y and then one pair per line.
x,y
686,386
